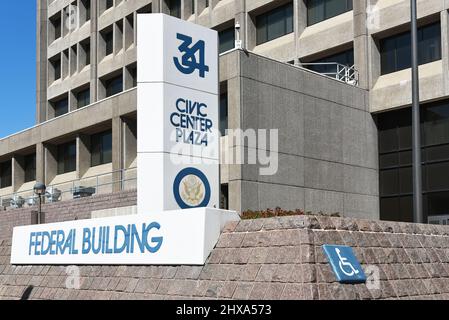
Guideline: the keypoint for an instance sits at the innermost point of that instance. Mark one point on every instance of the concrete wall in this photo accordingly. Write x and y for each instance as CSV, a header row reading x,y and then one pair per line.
x,y
276,258
327,140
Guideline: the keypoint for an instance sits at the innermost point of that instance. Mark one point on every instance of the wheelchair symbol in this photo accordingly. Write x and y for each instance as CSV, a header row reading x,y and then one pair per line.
x,y
343,263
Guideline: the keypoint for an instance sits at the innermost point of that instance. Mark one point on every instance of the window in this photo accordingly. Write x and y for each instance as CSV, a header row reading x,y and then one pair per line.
x,y
145,9
114,86
396,51
83,98
193,7
109,4
109,42
86,51
320,10
133,75
345,58
61,107
56,64
395,161
86,5
223,113
57,28
5,174
101,148
274,24
224,196
226,39
30,167
67,157
174,6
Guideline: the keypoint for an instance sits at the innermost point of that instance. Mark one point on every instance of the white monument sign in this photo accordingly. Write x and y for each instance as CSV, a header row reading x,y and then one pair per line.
x,y
178,163
177,105
160,238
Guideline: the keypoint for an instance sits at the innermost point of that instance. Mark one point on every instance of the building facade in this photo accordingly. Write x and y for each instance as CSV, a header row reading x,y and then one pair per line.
x,y
348,149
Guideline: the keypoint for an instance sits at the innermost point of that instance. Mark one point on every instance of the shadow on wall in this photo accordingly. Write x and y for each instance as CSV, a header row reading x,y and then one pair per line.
x,y
26,294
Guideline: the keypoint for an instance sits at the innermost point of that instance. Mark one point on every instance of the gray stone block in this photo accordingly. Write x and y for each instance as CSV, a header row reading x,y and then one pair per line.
x,y
323,175
323,201
323,131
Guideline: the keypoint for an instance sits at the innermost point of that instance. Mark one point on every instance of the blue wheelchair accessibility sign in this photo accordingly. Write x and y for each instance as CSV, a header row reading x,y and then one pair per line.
x,y
345,264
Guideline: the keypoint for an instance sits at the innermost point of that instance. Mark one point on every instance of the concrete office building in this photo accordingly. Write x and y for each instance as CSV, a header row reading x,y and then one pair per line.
x,y
344,147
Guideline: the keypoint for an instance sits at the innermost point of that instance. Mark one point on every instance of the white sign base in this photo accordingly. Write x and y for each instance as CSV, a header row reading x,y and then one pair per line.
x,y
181,237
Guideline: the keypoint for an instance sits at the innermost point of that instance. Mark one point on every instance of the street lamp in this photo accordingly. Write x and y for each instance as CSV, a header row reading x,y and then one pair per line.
x,y
39,190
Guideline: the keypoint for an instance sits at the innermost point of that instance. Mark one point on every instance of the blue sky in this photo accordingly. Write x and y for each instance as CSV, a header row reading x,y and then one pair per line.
x,y
18,65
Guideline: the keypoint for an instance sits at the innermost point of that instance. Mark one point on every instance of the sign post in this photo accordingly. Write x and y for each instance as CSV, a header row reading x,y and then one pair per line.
x,y
177,105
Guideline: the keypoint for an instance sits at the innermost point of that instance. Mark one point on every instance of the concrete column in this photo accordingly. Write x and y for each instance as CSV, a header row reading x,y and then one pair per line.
x,y
163,7
40,162
445,48
82,155
235,195
118,36
41,61
50,111
234,122
73,103
51,163
300,24
18,173
361,50
156,6
129,141
93,51
201,5
184,13
128,32
117,151
65,64
213,3
374,61
242,18
128,79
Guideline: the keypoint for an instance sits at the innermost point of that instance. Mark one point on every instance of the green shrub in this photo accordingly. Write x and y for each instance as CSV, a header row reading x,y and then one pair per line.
x,y
278,212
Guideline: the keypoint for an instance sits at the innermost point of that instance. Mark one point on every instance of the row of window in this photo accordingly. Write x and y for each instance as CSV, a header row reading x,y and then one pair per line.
x,y
65,18
109,86
100,144
279,21
70,61
61,106
270,25
395,161
28,165
175,7
395,52
100,150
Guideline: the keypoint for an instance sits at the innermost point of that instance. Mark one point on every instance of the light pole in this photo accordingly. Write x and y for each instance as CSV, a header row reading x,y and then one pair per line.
x,y
39,190
418,216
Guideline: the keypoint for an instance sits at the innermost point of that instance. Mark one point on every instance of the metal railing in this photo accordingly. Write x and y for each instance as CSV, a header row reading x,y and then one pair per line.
x,y
339,71
125,179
